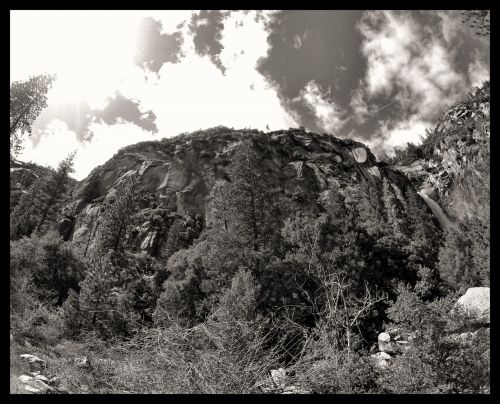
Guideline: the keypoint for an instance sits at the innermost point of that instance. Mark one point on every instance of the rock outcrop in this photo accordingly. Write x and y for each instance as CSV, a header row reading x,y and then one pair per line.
x,y
177,177
452,164
476,303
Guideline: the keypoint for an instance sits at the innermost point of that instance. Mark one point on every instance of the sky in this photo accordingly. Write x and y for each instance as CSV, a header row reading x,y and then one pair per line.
x,y
380,77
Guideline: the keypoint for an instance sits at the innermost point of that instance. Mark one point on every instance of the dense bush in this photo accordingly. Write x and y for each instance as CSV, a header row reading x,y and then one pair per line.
x,y
51,263
441,358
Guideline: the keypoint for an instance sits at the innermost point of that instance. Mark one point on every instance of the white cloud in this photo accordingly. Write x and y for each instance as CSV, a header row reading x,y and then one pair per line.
x,y
401,58
57,142
299,39
393,134
414,65
359,107
478,72
328,115
190,95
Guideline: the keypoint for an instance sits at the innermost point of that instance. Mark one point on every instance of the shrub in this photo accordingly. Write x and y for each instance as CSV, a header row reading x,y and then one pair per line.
x,y
440,358
51,262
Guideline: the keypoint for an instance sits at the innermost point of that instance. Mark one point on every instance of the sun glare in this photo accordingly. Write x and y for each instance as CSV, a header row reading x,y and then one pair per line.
x,y
89,51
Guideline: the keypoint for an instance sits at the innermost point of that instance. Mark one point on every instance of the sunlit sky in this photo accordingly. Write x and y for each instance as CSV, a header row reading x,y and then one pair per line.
x,y
130,76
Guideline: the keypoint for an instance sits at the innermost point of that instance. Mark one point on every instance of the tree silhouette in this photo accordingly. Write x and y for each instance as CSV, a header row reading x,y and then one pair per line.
x,y
27,99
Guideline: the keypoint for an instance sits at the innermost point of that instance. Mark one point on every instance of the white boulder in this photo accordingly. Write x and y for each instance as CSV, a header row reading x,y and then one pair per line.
x,y
476,302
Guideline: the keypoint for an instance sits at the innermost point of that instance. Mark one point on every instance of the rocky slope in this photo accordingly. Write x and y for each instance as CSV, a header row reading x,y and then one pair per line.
x,y
451,167
177,176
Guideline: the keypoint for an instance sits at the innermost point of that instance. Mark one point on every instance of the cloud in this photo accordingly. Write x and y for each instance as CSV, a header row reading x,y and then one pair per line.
x,y
205,98
408,63
155,48
78,116
412,68
312,46
359,107
299,39
58,141
120,109
328,115
478,71
206,27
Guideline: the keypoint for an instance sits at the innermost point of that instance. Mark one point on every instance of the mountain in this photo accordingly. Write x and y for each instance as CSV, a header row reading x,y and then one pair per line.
x,y
178,176
291,254
451,166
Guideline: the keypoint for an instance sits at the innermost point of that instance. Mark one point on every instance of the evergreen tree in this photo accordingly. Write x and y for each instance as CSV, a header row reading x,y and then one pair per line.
x,y
181,291
423,247
98,295
370,209
54,190
455,260
175,242
393,216
250,199
112,229
108,269
175,238
464,258
27,99
23,216
72,313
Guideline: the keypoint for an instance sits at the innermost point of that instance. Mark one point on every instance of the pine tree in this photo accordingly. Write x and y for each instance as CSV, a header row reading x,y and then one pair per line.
x,y
175,242
175,238
370,208
248,201
112,229
54,190
107,264
246,198
72,313
23,216
455,260
422,247
27,99
393,215
96,296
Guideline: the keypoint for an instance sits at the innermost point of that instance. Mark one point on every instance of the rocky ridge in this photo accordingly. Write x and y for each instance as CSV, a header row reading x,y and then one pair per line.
x,y
449,167
177,177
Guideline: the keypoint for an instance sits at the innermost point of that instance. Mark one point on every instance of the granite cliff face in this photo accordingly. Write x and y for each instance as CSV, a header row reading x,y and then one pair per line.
x,y
452,165
177,176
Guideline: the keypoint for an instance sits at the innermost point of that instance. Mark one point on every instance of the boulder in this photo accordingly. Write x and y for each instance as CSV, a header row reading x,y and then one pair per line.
x,y
35,384
475,303
381,359
279,377
26,379
31,389
385,343
295,390
35,362
65,227
359,154
83,362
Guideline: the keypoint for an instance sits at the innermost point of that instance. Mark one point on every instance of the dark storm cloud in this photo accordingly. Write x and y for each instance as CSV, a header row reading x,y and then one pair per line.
x,y
206,27
355,73
78,116
319,46
154,48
